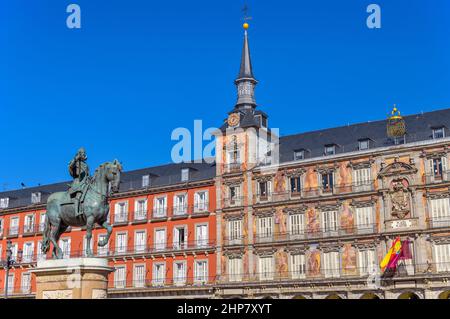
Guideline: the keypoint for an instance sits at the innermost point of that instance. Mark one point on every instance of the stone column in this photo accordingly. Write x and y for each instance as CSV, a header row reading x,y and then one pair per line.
x,y
75,278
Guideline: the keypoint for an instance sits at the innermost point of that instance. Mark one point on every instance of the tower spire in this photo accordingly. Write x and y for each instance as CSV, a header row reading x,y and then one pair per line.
x,y
245,81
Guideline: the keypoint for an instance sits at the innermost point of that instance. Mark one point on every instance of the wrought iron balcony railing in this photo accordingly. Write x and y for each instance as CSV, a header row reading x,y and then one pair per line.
x,y
439,222
164,282
233,201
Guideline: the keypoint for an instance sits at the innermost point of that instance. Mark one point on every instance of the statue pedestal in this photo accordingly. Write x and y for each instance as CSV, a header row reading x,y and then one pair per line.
x,y
77,278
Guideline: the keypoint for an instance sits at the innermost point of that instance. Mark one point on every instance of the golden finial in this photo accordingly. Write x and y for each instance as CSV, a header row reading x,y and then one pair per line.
x,y
395,113
245,25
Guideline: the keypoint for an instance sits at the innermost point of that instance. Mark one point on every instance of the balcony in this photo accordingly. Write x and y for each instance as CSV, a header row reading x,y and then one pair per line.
x,y
140,216
437,178
233,241
13,232
439,222
121,218
201,208
29,230
163,283
233,201
160,213
179,211
233,168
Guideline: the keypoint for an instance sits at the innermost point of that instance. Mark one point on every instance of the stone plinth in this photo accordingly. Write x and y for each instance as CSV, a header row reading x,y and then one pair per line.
x,y
77,278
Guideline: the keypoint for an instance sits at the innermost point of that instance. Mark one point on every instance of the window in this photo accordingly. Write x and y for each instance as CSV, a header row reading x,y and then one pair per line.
x,y
28,252
233,152
299,155
160,207
10,283
180,237
180,204
439,167
120,277
141,209
65,244
160,239
201,271
121,243
330,150
266,268
399,140
29,224
139,241
184,174
40,254
139,276
14,250
201,235
442,257
363,144
1,227
364,219
35,198
297,224
234,231
121,214
329,221
265,227
234,195
179,273
367,264
440,211
296,185
201,201
438,133
14,226
234,269
91,245
159,274
331,264
263,190
327,182
4,202
146,181
298,266
42,222
26,283
102,251
361,176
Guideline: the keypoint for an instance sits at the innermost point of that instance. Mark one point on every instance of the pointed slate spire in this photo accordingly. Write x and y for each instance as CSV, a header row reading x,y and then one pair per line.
x,y
245,81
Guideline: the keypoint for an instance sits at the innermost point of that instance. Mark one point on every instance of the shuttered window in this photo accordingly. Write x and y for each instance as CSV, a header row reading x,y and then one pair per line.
x,y
331,264
442,257
297,224
298,266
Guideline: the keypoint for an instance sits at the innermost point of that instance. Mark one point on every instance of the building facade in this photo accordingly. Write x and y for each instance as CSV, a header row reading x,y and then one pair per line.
x,y
309,215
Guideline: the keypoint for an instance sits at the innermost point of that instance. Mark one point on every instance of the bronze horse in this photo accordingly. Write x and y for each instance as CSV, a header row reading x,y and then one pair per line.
x,y
61,211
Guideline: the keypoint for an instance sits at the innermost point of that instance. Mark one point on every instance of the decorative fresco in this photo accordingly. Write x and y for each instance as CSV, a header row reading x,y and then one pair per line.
x,y
279,182
313,224
281,263
347,218
348,260
314,262
280,222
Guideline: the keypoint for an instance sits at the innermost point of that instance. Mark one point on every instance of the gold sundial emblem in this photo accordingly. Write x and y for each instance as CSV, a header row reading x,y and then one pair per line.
x,y
233,119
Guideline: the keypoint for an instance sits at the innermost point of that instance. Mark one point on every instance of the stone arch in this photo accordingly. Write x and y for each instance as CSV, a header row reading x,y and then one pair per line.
x,y
444,295
369,295
408,295
333,296
299,297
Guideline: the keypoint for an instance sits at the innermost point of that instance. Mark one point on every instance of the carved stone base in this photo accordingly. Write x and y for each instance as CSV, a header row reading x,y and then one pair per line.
x,y
77,278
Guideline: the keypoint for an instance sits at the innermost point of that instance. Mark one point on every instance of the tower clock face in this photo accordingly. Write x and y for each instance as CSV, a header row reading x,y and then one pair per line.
x,y
233,119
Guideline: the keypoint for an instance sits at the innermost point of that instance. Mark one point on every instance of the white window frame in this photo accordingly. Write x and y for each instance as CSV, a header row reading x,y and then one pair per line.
x,y
160,206
440,212
329,222
234,269
331,264
179,278
298,266
177,243
435,130
120,282
25,283
14,229
139,276
234,231
66,248
299,155
364,219
36,197
4,202
28,253
367,261
185,174
121,247
158,244
158,278
201,205
140,209
140,247
265,227
145,181
121,212
201,273
201,237
102,251
442,257
180,204
296,223
266,267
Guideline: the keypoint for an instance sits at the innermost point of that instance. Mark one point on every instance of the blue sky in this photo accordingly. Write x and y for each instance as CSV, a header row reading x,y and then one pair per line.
x,y
138,69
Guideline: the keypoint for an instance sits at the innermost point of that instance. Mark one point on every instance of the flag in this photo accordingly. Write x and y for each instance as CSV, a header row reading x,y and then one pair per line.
x,y
406,250
390,260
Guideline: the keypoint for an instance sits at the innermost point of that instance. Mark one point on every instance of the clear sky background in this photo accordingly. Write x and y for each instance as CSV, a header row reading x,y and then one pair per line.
x,y
137,69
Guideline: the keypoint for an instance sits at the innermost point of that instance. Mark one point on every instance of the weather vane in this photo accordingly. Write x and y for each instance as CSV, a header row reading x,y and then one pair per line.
x,y
246,17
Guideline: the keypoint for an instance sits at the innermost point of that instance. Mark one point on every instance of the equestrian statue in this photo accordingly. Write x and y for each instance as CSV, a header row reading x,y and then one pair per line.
x,y
85,203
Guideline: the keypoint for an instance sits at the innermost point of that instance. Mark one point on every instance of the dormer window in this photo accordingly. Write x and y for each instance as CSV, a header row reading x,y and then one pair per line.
x,y
185,174
299,155
438,132
363,144
36,198
330,150
4,202
399,140
146,181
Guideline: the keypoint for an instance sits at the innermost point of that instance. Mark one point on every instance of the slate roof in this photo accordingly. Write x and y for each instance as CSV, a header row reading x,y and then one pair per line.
x,y
164,175
418,128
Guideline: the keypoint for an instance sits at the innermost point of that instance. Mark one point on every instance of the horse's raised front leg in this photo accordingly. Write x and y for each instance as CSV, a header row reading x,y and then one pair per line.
x,y
105,240
89,227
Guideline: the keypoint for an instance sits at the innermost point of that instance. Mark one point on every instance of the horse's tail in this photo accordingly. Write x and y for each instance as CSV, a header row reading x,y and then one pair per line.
x,y
46,236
